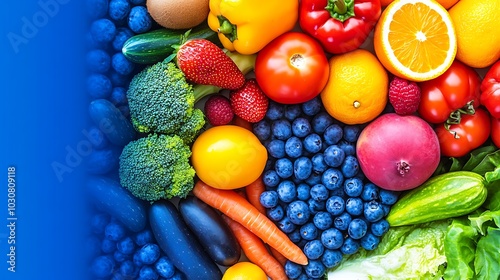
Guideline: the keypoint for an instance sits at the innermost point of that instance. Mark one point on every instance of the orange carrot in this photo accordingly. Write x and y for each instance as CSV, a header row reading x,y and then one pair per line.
x,y
278,256
239,209
256,251
253,191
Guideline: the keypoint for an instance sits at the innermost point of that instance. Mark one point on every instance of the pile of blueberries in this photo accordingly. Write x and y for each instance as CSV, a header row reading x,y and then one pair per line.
x,y
315,189
116,253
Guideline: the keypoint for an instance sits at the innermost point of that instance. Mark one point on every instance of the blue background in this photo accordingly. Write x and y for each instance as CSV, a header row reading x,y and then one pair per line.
x,y
43,112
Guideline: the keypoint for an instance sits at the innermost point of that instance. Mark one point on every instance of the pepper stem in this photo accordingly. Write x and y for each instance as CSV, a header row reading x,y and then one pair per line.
x,y
340,9
227,28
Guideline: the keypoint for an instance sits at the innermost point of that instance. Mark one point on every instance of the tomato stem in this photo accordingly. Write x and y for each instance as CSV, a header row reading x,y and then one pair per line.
x,y
456,117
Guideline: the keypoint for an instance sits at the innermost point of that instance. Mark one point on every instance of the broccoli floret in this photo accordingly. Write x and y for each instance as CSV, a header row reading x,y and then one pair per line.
x,y
157,167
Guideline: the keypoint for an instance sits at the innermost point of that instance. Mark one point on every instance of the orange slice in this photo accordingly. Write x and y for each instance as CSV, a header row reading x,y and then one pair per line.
x,y
415,39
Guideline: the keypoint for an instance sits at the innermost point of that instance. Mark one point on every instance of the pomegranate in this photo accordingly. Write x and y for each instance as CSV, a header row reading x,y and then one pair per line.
x,y
398,152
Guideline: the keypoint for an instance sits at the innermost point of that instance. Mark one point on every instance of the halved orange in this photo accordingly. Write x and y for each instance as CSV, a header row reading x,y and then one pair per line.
x,y
415,39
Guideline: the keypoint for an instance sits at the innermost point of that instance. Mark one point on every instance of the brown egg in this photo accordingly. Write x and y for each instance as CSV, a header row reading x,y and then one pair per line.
x,y
178,14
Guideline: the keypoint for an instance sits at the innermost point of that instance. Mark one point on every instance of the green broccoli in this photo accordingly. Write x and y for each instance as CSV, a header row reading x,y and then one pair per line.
x,y
157,167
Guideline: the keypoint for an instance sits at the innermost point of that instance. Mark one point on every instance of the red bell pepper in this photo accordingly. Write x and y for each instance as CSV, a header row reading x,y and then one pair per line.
x,y
490,90
339,25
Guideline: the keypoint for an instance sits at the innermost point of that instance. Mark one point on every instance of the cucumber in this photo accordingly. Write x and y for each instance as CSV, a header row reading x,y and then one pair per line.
x,y
448,195
154,46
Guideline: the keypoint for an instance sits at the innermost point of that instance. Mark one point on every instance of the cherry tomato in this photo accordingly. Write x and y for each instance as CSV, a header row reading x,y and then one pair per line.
x,y
292,69
495,131
471,132
490,90
449,92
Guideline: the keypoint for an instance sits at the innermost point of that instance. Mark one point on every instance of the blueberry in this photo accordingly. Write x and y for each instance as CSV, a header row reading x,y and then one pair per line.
x,y
314,179
143,237
303,191
119,257
178,275
309,231
316,205
99,86
138,2
295,235
108,246
312,107
370,192
292,270
118,9
302,168
270,178
96,8
388,197
333,133
286,225
386,208
332,238
122,35
351,132
298,212
353,187
284,168
318,163
369,241
164,267
99,221
136,258
349,148
373,211
332,178
313,249
354,206
350,166
380,227
128,269
335,205
293,147
331,258
275,111
301,127
269,199
357,228
276,148
139,19
126,246
334,156
292,112
338,192
121,64
103,30
322,220
149,253
350,246
319,192
312,143
287,191
118,80
276,213
103,266
98,61
262,129
320,122
315,269
118,96
114,231
147,273
281,129
342,221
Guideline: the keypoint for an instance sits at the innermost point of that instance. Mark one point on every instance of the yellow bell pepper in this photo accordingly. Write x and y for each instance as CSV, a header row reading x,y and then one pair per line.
x,y
246,26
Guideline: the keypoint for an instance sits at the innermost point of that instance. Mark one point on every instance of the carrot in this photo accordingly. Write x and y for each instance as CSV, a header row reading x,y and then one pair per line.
x,y
239,209
253,191
278,256
256,251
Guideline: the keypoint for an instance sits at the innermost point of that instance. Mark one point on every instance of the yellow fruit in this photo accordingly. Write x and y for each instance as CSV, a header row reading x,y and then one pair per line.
x,y
356,91
244,271
445,3
415,39
478,31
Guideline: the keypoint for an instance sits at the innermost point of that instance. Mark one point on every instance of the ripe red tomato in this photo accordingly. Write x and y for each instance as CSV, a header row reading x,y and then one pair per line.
x,y
490,90
471,132
495,131
292,68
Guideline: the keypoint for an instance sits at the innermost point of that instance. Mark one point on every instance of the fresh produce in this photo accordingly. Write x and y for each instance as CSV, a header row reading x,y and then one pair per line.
x,y
228,157
178,14
157,167
339,25
356,92
477,36
495,131
246,26
404,96
256,251
244,271
291,57
203,62
156,45
179,243
253,192
425,44
444,196
218,110
398,152
213,233
445,3
240,210
490,90
249,102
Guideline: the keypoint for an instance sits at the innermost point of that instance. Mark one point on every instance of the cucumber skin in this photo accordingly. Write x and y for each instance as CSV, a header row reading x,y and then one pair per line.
x,y
156,45
444,196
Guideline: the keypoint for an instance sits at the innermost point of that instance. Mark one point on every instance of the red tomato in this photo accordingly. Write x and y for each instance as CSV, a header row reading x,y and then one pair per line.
x,y
471,132
449,92
292,68
490,90
495,131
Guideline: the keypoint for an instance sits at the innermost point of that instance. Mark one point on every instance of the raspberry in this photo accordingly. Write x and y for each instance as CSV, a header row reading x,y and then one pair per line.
x,y
218,110
404,96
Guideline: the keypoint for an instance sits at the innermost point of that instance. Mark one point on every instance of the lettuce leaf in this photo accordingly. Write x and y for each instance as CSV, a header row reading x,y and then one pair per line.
x,y
460,249
486,261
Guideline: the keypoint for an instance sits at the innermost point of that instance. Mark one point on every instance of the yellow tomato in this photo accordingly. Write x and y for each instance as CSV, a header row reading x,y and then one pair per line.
x,y
228,157
244,271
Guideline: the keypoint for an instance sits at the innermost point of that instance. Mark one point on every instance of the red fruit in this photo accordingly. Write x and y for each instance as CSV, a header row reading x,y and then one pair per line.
x,y
203,62
404,96
218,110
249,102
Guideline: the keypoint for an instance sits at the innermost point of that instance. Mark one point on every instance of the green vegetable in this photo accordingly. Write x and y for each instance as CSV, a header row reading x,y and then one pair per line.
x,y
154,46
448,195
157,167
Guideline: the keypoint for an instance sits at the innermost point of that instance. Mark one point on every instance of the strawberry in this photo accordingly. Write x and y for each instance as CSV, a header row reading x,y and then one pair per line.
x,y
203,62
404,96
218,110
249,102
